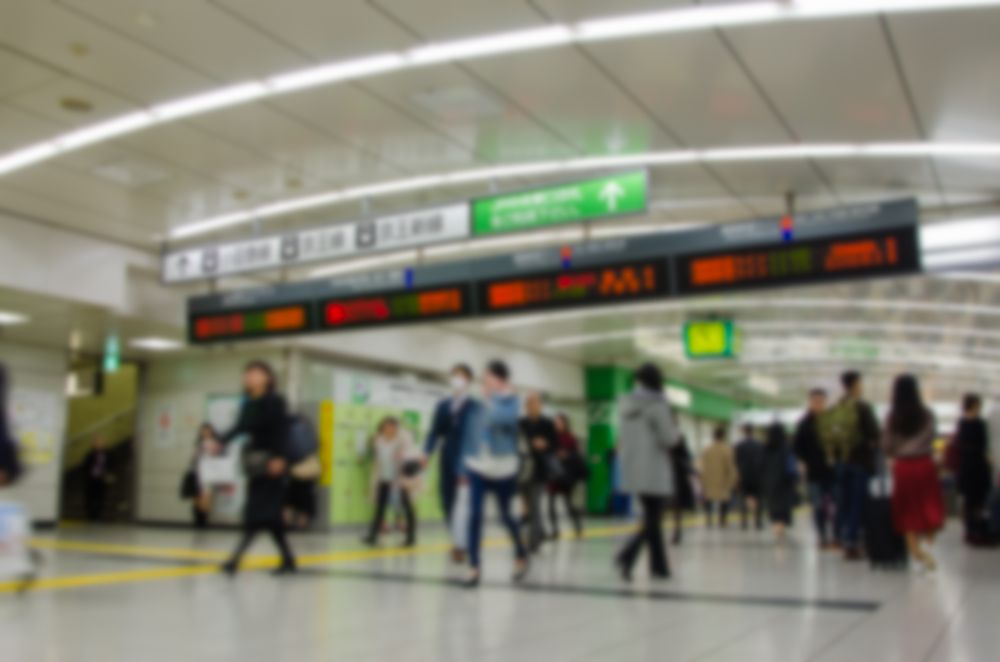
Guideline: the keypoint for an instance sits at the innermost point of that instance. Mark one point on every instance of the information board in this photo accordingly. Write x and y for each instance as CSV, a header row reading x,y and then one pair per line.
x,y
395,307
711,339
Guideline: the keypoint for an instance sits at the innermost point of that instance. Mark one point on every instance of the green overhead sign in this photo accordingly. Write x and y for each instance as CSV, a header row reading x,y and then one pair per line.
x,y
711,339
600,197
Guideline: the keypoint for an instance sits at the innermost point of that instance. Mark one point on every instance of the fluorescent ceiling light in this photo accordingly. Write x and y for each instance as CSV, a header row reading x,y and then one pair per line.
x,y
393,187
513,241
105,130
8,318
962,258
361,264
948,235
974,276
156,344
336,72
202,103
507,42
674,20
22,158
611,230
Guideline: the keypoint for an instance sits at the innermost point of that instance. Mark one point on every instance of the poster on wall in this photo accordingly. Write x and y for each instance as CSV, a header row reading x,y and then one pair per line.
x,y
37,418
361,401
166,423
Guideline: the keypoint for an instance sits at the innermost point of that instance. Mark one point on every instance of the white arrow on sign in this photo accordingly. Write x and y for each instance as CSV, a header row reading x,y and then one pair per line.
x,y
610,194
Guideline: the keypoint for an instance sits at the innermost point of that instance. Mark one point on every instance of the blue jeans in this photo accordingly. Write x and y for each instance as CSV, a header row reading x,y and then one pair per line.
x,y
821,498
852,497
504,490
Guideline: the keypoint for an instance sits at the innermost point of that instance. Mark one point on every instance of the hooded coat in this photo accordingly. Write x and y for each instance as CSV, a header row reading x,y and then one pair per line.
x,y
646,434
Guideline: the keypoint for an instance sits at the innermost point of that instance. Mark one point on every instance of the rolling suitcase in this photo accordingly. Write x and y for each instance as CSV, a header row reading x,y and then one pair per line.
x,y
886,547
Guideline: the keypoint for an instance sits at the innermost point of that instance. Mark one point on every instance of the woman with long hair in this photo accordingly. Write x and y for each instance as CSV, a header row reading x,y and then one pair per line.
x,y
264,419
568,453
917,503
779,479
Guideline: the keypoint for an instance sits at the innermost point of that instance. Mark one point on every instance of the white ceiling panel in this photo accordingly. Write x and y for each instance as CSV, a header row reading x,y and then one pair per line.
x,y
89,192
472,114
194,32
573,98
18,127
68,214
694,86
951,61
325,29
831,80
447,19
891,177
54,35
775,178
578,10
19,74
361,120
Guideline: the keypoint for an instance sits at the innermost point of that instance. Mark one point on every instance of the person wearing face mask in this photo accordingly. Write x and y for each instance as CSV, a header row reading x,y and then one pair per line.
x,y
450,429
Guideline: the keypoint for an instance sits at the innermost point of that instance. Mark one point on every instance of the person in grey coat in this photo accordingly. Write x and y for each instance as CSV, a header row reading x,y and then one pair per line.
x,y
647,433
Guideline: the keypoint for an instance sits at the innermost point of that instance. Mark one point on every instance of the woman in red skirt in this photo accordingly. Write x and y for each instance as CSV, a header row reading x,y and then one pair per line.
x,y
917,504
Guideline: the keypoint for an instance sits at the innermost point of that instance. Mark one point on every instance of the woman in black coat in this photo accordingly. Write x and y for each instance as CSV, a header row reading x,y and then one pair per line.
x,y
779,479
264,419
974,472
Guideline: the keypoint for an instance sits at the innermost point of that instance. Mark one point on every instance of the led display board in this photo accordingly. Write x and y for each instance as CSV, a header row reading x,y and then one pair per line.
x,y
876,253
574,287
395,307
251,323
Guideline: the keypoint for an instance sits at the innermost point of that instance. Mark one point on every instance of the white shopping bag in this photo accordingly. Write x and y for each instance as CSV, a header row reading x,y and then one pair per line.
x,y
15,561
460,514
220,469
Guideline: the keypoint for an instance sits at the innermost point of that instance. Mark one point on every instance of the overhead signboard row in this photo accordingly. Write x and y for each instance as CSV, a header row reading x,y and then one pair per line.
x,y
853,242
598,197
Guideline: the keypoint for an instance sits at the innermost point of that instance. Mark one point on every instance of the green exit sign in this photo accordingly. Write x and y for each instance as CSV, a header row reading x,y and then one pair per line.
x,y
600,197
711,339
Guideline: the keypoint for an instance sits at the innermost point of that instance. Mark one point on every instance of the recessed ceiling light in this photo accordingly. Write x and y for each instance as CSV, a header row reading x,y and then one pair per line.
x,y
79,49
156,344
8,318
76,105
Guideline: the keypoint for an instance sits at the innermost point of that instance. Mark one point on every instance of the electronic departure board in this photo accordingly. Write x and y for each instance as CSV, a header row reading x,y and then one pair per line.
x,y
872,254
574,287
395,307
252,323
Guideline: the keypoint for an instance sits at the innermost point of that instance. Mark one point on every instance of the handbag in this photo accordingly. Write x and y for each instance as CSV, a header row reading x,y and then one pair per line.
x,y
309,469
189,484
255,462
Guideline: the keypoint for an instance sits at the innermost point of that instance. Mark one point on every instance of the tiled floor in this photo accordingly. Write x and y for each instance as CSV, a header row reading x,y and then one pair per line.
x,y
735,597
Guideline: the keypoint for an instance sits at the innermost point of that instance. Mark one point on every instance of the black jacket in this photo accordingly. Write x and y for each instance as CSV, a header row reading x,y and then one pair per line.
x,y
974,473
531,429
265,421
749,462
810,451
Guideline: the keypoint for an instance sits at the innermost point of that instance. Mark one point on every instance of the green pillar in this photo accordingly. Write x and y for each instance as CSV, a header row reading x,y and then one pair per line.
x,y
604,384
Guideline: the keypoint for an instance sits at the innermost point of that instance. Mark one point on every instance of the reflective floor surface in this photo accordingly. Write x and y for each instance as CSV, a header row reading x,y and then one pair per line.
x,y
151,595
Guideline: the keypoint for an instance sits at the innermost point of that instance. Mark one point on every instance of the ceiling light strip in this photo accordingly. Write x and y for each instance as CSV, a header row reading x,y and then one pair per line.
x,y
622,27
393,187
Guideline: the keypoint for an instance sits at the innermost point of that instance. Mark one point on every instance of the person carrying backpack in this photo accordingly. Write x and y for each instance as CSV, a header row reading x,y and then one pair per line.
x,y
849,433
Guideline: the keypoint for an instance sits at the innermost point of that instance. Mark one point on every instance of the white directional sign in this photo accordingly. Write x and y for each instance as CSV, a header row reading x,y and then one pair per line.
x,y
416,228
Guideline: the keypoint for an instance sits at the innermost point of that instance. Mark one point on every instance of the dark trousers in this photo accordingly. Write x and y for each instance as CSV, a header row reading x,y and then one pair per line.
x,y
447,486
95,493
503,489
277,531
711,507
852,498
200,517
651,534
567,497
382,502
820,498
976,525
531,493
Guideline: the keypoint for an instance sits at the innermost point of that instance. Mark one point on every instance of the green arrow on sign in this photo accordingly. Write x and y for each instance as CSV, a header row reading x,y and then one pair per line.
x,y
600,197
